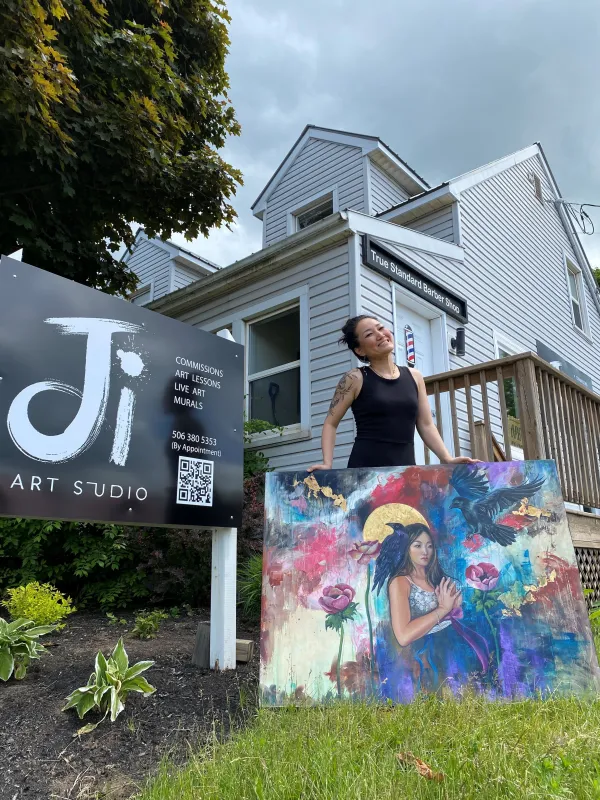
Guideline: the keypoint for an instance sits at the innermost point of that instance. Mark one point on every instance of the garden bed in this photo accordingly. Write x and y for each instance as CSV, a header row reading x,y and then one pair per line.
x,y
42,759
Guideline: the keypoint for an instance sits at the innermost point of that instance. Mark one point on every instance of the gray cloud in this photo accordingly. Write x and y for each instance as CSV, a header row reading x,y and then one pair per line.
x,y
448,84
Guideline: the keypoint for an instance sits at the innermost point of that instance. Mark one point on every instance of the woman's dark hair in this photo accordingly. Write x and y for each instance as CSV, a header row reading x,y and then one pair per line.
x,y
349,337
433,571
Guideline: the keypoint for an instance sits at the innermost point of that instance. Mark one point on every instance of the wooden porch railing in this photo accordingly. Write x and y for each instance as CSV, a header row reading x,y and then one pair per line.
x,y
553,417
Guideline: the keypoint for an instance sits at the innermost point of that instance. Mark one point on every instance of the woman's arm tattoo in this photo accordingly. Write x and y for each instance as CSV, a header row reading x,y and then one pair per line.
x,y
343,389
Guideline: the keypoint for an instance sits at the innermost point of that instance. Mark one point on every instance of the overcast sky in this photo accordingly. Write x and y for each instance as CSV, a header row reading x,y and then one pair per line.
x,y
448,84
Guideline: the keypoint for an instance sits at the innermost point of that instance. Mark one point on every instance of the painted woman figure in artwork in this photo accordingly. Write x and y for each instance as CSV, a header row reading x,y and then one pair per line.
x,y
426,646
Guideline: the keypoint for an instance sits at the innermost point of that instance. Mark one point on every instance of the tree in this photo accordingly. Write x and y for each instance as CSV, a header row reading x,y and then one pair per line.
x,y
111,112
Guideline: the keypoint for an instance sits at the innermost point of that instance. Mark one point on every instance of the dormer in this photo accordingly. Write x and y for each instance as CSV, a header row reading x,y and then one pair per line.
x,y
163,267
328,171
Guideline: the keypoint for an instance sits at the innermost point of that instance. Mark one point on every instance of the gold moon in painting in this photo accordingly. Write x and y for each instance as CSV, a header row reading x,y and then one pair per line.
x,y
376,526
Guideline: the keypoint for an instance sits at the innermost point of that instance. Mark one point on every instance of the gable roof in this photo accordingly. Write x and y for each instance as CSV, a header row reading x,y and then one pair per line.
x,y
451,190
185,257
370,145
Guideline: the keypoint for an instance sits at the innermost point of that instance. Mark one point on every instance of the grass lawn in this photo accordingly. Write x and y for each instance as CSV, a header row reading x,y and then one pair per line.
x,y
531,749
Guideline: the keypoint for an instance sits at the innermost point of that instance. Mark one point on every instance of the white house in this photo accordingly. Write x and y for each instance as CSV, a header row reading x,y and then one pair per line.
x,y
348,228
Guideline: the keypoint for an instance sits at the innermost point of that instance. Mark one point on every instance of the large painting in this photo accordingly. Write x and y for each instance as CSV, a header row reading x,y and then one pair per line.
x,y
394,582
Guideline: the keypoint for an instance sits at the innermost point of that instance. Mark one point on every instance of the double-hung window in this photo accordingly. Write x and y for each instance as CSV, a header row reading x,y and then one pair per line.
x,y
575,291
274,368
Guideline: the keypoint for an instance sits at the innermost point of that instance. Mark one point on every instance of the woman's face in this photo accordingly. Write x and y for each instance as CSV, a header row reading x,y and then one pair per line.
x,y
421,550
374,339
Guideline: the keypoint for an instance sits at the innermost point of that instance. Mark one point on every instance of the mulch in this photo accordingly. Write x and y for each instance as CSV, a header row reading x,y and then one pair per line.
x,y
41,758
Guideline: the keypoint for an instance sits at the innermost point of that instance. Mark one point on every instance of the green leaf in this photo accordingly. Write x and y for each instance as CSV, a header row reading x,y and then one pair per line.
x,y
86,703
116,706
41,630
137,669
138,684
333,622
74,698
7,663
100,667
20,669
120,657
91,726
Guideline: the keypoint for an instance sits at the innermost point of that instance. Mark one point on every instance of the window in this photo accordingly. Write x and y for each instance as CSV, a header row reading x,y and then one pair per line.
x,y
274,368
315,212
574,276
143,295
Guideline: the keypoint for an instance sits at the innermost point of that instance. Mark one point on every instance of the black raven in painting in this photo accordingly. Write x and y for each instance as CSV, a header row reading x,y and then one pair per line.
x,y
481,507
391,554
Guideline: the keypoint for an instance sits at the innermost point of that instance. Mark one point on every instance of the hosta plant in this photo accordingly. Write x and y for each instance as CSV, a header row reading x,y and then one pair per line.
x,y
108,686
19,645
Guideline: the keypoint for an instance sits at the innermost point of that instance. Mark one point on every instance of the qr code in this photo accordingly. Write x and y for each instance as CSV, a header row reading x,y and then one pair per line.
x,y
195,482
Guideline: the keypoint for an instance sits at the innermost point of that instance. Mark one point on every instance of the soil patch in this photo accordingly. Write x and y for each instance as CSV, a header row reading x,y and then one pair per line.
x,y
41,759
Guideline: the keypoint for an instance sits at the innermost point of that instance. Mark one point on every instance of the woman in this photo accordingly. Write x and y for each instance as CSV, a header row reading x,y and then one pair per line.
x,y
424,606
388,403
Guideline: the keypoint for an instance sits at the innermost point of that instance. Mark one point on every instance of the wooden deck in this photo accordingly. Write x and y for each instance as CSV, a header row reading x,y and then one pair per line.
x,y
521,407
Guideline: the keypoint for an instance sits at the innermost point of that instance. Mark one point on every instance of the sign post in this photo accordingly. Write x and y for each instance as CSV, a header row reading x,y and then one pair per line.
x,y
112,413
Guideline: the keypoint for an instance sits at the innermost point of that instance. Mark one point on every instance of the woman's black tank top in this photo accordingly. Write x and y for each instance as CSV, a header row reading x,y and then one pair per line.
x,y
386,409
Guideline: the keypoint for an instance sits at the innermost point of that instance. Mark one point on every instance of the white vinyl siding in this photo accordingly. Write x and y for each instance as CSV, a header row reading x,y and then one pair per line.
x,y
183,277
319,167
385,192
326,278
152,265
439,224
514,279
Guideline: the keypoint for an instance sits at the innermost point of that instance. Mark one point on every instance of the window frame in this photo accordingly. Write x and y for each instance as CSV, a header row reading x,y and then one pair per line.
x,y
573,268
147,287
267,373
311,202
239,321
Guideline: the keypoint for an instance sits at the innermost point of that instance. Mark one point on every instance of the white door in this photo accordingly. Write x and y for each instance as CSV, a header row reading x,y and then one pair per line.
x,y
423,345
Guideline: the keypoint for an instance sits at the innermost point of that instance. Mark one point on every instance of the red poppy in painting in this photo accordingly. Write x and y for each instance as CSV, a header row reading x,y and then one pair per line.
x,y
336,598
482,576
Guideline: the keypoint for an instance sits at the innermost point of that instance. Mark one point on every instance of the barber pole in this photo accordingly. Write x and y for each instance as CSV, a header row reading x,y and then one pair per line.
x,y
409,338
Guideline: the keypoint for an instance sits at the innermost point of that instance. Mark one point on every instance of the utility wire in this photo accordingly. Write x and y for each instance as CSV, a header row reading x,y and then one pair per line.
x,y
580,216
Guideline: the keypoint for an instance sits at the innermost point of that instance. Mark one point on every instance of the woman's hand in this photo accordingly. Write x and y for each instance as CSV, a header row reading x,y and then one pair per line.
x,y
319,466
462,460
457,599
446,593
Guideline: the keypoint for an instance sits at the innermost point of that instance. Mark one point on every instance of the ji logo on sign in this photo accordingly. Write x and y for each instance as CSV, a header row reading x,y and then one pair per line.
x,y
85,427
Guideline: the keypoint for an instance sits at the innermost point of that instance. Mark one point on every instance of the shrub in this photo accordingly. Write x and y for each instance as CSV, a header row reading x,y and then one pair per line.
x,y
19,645
41,603
255,462
147,624
96,564
111,567
108,686
250,585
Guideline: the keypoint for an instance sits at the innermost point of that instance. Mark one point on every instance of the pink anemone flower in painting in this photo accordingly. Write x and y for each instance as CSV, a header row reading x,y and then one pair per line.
x,y
336,598
482,576
364,552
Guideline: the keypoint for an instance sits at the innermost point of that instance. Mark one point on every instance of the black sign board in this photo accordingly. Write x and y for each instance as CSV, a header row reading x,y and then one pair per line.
x,y
387,263
113,413
563,365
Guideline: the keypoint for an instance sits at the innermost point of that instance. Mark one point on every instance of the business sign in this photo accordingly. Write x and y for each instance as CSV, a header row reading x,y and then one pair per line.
x,y
113,413
387,263
563,365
